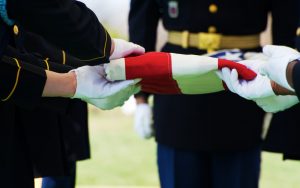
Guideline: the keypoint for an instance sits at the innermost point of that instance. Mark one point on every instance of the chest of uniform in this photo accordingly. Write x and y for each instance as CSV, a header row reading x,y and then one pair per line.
x,y
175,9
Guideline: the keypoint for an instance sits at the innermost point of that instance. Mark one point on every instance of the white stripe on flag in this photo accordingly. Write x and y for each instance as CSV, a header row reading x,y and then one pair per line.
x,y
115,70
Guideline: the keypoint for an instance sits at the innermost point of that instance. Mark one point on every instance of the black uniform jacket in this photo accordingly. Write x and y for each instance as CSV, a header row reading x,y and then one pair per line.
x,y
283,136
211,122
68,25
56,132
296,79
296,72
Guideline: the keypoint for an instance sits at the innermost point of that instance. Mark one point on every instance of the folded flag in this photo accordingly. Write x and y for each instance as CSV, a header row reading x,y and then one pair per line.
x,y
170,73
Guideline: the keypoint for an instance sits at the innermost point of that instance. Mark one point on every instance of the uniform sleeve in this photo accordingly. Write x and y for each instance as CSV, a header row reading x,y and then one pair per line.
x,y
68,24
284,22
143,22
23,76
296,79
36,44
21,83
36,60
297,40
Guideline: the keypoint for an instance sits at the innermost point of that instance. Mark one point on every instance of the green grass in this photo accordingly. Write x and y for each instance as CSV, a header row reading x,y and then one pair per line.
x,y
276,173
120,158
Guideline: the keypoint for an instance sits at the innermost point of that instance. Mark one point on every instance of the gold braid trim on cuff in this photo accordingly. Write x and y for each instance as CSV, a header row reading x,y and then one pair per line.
x,y
104,51
63,57
16,82
47,63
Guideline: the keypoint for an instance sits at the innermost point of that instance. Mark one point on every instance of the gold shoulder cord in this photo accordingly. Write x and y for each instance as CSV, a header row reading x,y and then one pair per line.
x,y
47,63
16,82
104,51
63,57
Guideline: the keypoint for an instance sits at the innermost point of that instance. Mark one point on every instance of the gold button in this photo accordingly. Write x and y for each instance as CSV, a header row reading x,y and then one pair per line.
x,y
16,30
212,29
213,8
298,31
210,51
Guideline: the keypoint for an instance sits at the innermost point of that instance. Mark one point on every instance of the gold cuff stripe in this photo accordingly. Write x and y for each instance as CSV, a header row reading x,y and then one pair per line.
x,y
64,57
104,51
298,31
16,82
47,63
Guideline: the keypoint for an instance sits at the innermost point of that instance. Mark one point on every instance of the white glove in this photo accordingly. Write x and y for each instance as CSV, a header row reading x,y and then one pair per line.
x,y
279,58
93,88
260,87
124,49
115,100
277,103
143,121
259,90
255,56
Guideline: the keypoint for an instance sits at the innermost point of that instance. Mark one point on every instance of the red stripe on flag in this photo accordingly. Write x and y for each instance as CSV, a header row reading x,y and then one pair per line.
x,y
160,86
150,65
243,71
155,68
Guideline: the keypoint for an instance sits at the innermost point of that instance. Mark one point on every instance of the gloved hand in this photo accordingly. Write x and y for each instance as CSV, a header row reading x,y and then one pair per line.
x,y
92,85
123,48
277,103
255,56
279,58
143,121
115,100
260,87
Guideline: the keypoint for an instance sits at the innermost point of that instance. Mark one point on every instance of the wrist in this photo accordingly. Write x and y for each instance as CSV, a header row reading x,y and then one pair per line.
x,y
289,72
112,47
72,83
60,85
279,90
140,100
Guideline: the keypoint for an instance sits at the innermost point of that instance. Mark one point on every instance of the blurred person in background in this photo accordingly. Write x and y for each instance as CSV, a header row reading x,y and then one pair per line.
x,y
200,142
283,134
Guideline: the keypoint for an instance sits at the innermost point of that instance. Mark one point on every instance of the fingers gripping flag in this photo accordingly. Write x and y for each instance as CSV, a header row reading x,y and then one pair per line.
x,y
170,73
